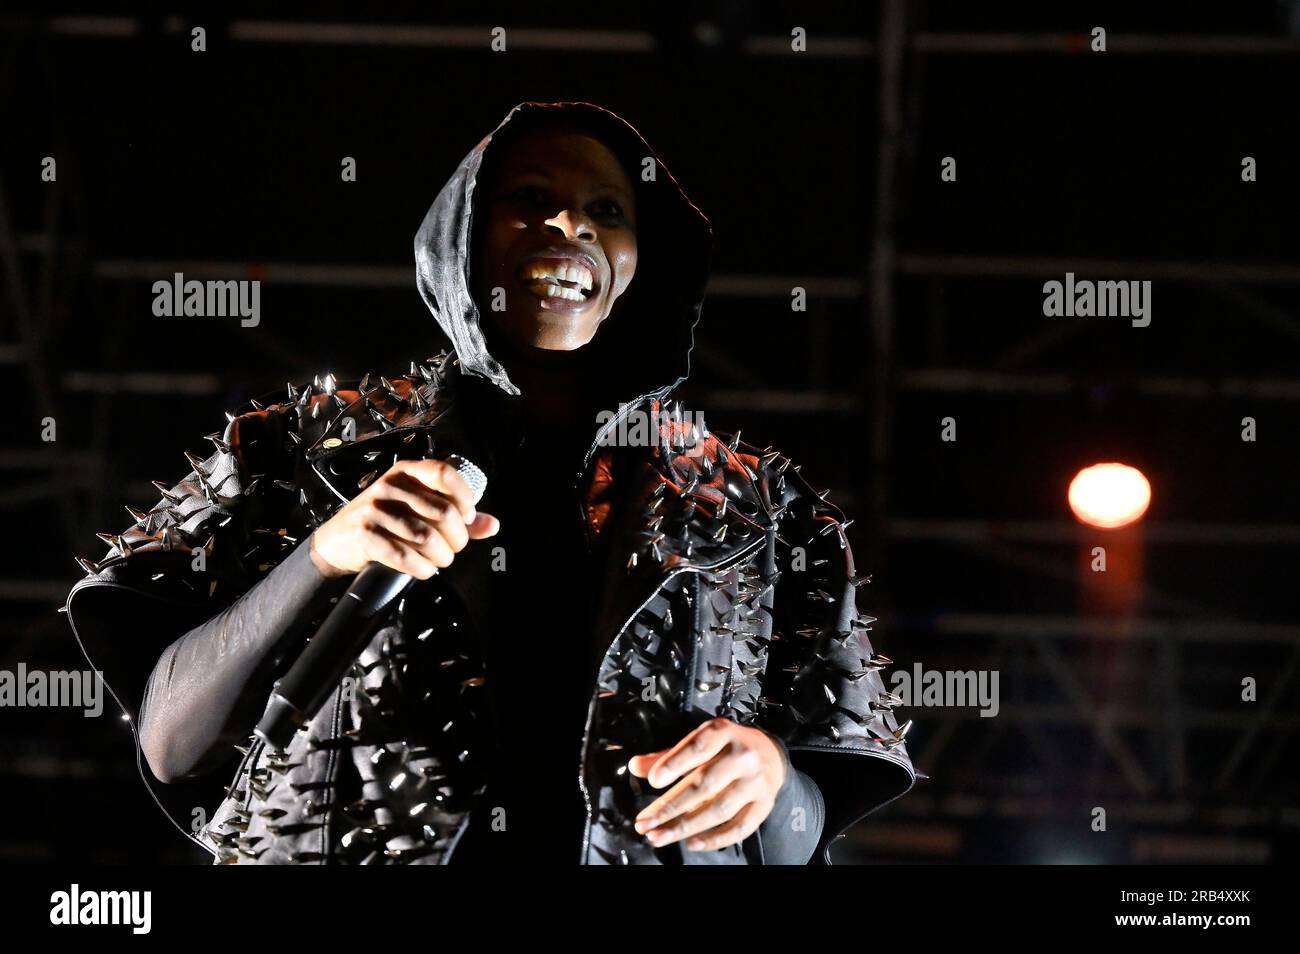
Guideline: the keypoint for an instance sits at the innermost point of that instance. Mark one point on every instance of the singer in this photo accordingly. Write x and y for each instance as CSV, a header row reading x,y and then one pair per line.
x,y
624,653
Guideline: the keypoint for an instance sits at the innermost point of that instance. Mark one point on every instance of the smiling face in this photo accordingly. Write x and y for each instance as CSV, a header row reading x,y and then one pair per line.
x,y
557,232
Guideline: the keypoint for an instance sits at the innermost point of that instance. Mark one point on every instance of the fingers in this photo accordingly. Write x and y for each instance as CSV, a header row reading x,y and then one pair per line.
x,y
640,765
415,519
392,551
699,789
429,512
703,785
695,748
741,825
484,525
427,538
440,476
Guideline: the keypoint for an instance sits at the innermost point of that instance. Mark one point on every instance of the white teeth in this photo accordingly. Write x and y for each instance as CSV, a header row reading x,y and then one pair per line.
x,y
559,291
578,274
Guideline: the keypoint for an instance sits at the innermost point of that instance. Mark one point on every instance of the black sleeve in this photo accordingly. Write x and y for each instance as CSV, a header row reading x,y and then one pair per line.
x,y
792,830
209,687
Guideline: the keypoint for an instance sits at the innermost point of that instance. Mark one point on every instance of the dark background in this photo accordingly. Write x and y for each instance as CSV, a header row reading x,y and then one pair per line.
x,y
924,301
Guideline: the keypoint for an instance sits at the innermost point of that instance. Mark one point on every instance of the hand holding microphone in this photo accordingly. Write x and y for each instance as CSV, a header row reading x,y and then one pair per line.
x,y
414,519
407,525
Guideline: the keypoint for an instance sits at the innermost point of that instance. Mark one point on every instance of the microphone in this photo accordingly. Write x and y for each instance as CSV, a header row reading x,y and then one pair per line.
x,y
297,697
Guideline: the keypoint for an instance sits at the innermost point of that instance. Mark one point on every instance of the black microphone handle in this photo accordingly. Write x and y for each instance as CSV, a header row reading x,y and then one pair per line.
x,y
335,647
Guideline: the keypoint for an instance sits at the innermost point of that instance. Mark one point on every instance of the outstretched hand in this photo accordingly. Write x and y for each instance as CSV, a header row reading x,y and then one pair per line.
x,y
729,775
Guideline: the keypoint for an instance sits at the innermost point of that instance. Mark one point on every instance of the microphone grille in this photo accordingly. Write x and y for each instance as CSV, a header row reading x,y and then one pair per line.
x,y
471,474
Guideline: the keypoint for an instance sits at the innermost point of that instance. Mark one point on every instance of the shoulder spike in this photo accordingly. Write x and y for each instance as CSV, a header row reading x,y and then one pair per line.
x,y
166,491
196,462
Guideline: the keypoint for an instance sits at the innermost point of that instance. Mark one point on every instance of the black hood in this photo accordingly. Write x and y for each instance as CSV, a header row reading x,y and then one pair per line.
x,y
645,346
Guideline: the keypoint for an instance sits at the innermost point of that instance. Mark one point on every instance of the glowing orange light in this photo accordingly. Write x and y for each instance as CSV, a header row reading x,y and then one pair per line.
x,y
1109,495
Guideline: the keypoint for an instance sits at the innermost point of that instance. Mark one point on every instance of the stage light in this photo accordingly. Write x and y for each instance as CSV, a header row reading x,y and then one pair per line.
x,y
1109,495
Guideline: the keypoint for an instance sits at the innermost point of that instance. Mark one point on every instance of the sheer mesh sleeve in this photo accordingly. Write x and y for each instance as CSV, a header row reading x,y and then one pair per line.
x,y
210,685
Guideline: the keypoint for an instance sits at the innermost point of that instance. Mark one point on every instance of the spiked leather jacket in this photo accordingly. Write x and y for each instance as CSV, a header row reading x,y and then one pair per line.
x,y
728,590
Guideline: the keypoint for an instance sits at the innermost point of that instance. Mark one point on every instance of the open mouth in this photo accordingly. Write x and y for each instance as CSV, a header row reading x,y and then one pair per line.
x,y
565,279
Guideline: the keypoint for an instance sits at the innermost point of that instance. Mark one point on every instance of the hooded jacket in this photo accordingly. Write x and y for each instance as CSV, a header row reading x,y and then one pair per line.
x,y
728,588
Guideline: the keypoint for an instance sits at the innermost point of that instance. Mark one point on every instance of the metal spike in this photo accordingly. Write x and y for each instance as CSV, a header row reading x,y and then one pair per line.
x,y
257,405
229,417
734,443
87,565
166,491
208,492
139,516
196,462
330,383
